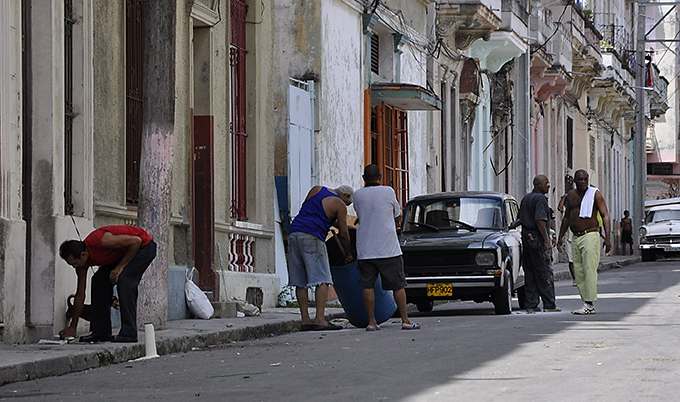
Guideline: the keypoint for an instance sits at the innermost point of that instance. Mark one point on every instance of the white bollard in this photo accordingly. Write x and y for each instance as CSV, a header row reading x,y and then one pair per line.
x,y
150,341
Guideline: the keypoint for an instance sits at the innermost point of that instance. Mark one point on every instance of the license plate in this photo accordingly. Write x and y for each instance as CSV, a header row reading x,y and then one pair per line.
x,y
439,289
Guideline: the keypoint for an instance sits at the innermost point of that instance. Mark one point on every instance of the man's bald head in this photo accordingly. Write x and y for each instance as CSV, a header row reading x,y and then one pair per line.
x,y
372,173
540,179
542,183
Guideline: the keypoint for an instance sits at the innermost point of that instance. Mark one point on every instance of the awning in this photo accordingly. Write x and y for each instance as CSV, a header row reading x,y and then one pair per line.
x,y
404,96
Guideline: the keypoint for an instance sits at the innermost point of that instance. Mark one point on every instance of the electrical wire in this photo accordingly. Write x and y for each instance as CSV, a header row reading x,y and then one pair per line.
x,y
432,48
559,24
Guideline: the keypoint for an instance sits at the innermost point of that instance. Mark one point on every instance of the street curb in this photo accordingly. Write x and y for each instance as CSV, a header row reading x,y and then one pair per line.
x,y
110,353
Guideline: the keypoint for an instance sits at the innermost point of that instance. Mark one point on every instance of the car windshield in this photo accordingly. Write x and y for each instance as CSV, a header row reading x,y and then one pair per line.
x,y
453,213
664,215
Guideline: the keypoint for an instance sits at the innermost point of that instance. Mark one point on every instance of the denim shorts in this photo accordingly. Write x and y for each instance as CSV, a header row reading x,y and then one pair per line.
x,y
308,261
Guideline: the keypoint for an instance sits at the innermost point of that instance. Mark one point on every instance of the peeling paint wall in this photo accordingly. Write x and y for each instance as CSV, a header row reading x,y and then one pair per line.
x,y
12,228
47,180
12,280
296,54
10,109
339,141
413,71
324,41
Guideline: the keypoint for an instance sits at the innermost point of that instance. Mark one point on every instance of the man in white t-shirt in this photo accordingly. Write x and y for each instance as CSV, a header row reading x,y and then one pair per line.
x,y
378,248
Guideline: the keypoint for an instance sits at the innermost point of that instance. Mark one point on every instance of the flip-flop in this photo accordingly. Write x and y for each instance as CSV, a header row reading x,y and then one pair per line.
x,y
306,327
373,329
414,325
327,327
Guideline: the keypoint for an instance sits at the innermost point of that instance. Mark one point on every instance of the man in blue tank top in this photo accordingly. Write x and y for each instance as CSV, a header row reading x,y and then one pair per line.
x,y
308,260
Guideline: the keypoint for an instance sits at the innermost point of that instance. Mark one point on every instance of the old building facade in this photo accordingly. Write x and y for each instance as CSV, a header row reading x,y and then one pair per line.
x,y
273,97
71,148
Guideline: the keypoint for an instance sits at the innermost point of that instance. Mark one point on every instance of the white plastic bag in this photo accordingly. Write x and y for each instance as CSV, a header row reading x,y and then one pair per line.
x,y
198,302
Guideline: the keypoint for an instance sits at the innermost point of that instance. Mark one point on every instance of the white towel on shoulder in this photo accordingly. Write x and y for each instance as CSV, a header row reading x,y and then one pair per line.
x,y
587,203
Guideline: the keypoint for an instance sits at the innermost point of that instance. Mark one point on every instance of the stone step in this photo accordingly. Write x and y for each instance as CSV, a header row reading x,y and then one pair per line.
x,y
225,309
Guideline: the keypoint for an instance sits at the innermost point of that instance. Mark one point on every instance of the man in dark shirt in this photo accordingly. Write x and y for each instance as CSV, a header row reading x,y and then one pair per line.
x,y
123,253
534,214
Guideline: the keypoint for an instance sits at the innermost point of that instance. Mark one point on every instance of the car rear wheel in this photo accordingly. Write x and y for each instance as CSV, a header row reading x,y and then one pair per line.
x,y
424,306
502,297
649,255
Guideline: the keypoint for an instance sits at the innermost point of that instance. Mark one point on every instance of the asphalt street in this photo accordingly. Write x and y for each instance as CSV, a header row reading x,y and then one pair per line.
x,y
628,351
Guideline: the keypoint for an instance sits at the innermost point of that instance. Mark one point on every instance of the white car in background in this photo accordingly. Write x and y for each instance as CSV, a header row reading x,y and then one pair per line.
x,y
660,234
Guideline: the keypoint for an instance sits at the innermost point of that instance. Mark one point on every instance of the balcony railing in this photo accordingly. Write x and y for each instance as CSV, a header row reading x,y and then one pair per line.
x,y
616,39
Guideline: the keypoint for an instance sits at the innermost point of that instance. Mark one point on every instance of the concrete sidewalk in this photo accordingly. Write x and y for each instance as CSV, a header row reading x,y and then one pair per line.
x,y
26,362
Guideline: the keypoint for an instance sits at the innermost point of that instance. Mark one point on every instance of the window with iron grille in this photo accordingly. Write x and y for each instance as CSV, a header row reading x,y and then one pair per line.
x,y
69,21
375,53
237,62
660,168
389,148
593,155
134,95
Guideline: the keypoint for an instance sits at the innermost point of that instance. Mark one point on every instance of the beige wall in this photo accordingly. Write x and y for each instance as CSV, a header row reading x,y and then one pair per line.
x,y
12,228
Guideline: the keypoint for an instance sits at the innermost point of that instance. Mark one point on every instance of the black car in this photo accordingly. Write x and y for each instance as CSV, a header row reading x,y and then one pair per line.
x,y
462,246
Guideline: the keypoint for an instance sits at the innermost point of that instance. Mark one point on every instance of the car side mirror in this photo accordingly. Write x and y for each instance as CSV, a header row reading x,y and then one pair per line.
x,y
515,224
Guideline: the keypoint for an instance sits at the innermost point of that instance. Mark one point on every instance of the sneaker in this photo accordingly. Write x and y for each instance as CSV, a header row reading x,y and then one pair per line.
x,y
533,310
552,310
584,310
573,283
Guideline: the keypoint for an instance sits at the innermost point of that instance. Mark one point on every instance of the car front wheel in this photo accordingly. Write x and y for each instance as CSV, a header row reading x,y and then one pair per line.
x,y
424,306
502,297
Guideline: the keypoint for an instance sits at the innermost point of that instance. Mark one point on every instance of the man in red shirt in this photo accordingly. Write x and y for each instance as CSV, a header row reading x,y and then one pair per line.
x,y
122,253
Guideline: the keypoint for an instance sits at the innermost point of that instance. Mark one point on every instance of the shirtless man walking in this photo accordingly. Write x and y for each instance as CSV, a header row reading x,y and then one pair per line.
x,y
626,232
580,216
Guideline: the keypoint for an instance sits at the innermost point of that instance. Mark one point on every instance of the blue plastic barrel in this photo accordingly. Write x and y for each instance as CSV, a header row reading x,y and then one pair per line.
x,y
351,295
